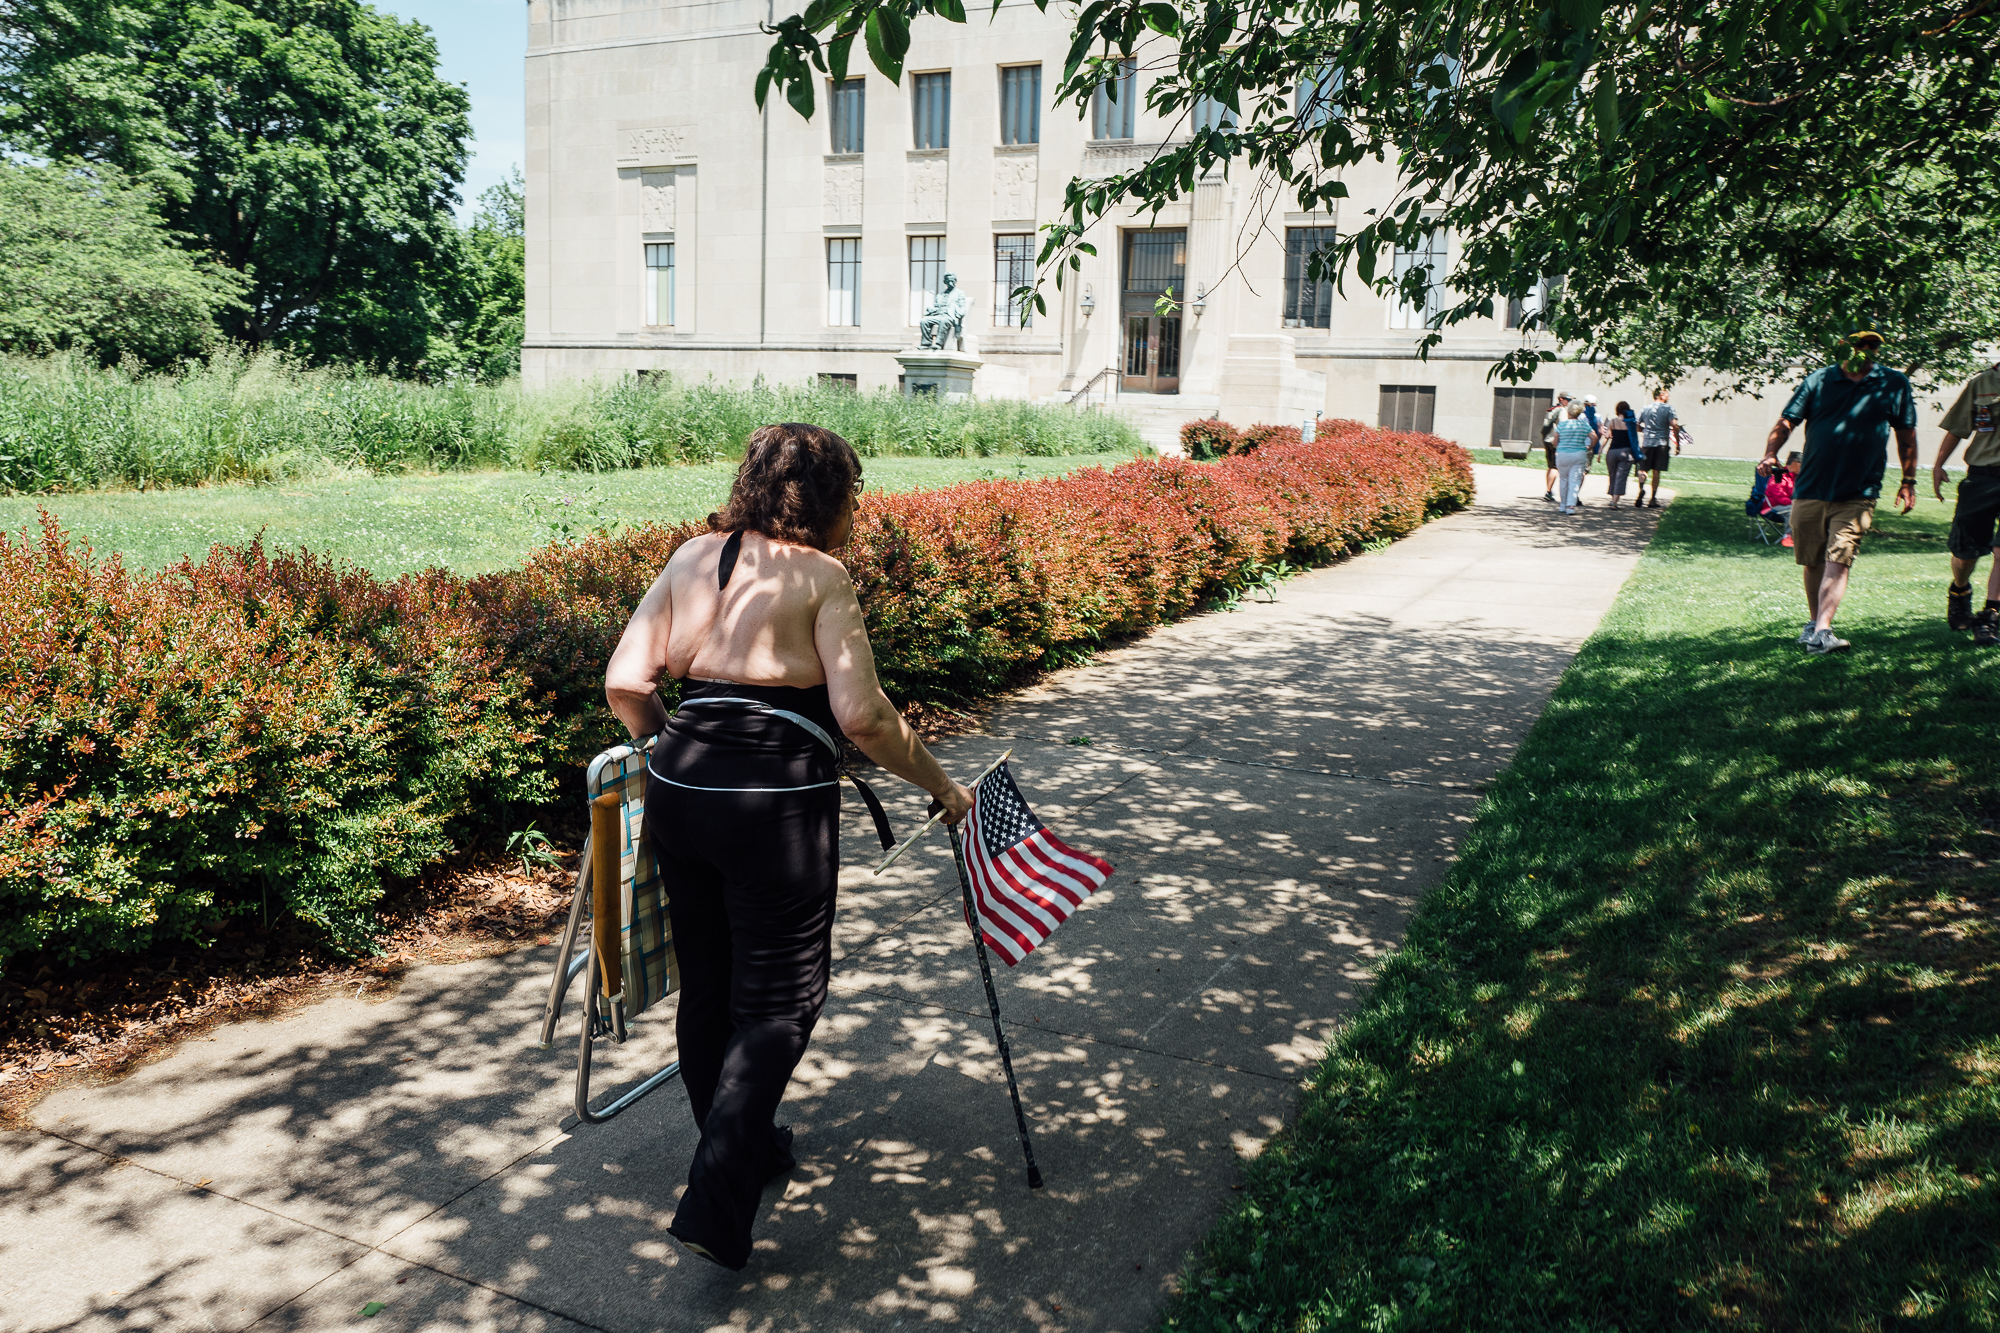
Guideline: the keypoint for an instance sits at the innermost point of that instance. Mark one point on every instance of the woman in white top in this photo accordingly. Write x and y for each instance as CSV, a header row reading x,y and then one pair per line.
x,y
1573,440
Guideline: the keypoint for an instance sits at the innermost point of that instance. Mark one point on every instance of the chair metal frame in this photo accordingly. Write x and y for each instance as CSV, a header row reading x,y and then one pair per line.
x,y
609,771
1762,525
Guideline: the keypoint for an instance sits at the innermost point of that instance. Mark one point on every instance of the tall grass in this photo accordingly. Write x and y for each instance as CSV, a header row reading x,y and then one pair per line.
x,y
67,425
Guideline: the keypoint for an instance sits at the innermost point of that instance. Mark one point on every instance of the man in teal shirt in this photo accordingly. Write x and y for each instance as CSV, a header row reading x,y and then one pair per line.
x,y
1849,411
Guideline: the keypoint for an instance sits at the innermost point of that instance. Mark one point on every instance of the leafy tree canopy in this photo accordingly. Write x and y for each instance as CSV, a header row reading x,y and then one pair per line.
x,y
1731,166
307,144
478,293
90,267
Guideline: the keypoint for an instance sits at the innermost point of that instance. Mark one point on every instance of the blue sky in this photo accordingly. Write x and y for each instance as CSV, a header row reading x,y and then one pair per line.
x,y
481,44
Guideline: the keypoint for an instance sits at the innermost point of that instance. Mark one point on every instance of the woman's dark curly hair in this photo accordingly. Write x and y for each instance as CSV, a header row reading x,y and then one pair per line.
x,y
793,484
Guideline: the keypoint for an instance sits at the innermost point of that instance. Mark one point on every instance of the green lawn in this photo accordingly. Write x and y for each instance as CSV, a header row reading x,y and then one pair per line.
x,y
1702,1030
1734,473
468,521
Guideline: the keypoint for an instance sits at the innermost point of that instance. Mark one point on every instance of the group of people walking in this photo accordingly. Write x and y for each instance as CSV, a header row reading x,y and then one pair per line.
x,y
1574,433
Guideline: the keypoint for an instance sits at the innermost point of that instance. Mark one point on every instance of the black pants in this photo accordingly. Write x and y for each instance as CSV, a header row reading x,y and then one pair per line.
x,y
1974,517
750,878
1620,461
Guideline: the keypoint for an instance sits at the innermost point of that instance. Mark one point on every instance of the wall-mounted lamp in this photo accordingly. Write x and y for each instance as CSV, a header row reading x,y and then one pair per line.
x,y
1089,302
1200,298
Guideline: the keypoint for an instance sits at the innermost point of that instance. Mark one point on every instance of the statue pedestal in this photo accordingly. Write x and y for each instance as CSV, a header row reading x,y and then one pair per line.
x,y
942,374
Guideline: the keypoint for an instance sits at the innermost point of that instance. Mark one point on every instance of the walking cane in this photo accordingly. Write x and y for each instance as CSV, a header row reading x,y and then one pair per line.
x,y
993,1003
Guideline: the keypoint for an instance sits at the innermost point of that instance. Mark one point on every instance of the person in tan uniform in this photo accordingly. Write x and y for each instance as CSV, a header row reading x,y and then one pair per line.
x,y
1971,419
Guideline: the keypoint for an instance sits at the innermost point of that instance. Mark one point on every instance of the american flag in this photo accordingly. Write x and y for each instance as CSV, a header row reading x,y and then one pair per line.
x,y
1025,880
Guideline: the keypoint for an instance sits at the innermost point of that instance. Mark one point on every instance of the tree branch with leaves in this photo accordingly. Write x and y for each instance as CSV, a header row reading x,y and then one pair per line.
x,y
1640,151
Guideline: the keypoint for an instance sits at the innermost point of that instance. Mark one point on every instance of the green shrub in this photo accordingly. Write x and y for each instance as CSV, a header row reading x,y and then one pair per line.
x,y
1208,438
66,424
254,734
1256,437
275,734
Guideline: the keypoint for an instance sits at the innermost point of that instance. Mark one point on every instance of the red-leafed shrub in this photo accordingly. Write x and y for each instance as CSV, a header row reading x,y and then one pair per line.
x,y
279,735
557,618
1256,437
255,733
1207,438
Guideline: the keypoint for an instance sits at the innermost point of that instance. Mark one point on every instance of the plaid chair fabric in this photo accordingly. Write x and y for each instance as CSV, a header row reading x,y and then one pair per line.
x,y
651,972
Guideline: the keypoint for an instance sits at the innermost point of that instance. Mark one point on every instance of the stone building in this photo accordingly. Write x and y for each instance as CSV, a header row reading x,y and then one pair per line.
x,y
672,226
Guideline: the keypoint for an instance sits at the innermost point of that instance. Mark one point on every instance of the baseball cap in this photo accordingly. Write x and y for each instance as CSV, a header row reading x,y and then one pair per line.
x,y
1562,394
1860,336
1590,398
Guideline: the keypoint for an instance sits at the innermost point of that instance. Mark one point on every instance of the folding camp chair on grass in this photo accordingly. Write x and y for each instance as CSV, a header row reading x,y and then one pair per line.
x,y
1769,527
629,948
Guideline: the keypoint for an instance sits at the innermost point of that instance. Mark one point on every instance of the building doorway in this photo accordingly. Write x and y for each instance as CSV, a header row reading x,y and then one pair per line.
x,y
1152,354
1155,265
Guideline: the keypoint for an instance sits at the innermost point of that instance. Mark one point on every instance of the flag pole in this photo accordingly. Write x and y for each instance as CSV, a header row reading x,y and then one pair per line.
x,y
938,814
993,1003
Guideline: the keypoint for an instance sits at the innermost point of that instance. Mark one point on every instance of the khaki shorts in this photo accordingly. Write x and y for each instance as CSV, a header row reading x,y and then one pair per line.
x,y
1829,532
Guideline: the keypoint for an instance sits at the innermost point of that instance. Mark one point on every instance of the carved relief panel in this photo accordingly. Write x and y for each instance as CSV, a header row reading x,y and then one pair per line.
x,y
1014,178
656,201
927,181
843,194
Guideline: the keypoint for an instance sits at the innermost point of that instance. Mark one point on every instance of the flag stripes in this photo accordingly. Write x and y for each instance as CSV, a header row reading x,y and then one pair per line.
x,y
1025,880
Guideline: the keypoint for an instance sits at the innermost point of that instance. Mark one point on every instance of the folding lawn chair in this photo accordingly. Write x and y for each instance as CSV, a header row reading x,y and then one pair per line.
x,y
629,949
1760,526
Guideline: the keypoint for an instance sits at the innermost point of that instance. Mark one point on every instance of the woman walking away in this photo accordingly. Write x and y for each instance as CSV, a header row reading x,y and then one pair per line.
x,y
743,803
1572,454
1624,431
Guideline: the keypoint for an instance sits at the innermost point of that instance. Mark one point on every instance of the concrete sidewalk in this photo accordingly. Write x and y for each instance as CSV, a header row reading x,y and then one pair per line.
x,y
1277,786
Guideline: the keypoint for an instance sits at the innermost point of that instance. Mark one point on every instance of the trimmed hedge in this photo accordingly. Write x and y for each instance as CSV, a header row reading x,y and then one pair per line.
x,y
255,733
276,735
1207,438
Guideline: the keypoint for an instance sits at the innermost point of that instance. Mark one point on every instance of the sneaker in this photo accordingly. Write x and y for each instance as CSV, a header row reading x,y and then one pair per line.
x,y
1654,503
1548,495
1958,608
1826,641
1986,628
1786,540
1805,636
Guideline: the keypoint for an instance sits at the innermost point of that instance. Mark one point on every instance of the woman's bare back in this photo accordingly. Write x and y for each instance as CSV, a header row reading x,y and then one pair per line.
x,y
760,629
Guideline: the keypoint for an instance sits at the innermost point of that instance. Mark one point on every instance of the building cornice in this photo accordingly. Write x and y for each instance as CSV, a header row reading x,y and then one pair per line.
x,y
657,39
691,345
1324,352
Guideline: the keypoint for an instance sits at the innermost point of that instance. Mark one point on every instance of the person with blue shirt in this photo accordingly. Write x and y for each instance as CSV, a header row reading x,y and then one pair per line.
x,y
1849,410
1574,439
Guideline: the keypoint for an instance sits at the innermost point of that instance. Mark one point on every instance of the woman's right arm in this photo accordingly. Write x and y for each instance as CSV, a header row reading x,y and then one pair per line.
x,y
632,677
864,712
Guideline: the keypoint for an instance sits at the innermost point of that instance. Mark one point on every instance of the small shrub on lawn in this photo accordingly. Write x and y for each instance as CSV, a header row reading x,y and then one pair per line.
x,y
1208,438
275,734
1256,437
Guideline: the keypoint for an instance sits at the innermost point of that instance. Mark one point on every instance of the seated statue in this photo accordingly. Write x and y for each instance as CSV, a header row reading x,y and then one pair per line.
x,y
943,324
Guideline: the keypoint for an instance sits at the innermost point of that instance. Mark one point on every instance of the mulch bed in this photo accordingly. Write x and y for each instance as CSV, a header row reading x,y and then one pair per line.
x,y
98,1021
